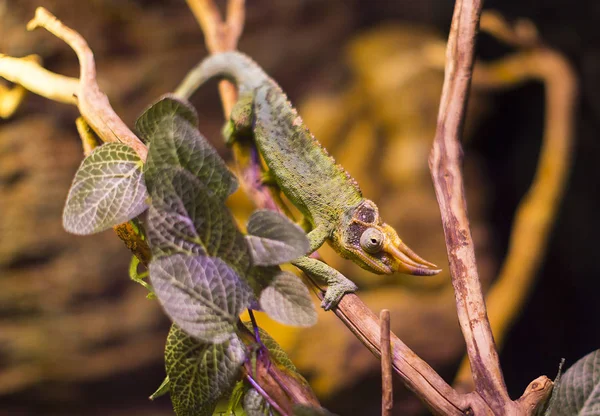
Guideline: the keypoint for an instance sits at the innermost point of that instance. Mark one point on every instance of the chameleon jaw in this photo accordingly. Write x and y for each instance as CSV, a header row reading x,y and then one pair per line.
x,y
408,262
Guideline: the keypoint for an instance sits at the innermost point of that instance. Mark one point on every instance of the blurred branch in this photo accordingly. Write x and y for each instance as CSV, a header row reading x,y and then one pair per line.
x,y
26,72
537,211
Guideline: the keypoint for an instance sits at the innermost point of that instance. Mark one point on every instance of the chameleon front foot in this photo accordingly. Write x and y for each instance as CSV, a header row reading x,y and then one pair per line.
x,y
337,284
336,292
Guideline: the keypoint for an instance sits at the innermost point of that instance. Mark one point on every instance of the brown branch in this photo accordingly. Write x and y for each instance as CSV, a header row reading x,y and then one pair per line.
x,y
92,103
445,164
387,392
445,161
538,209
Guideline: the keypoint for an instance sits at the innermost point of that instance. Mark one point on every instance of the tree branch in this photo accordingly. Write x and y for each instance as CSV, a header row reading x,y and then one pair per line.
x,y
538,209
92,103
445,164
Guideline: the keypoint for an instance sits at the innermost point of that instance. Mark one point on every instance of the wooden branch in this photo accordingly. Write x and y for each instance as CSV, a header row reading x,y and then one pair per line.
x,y
538,209
92,103
445,164
445,160
387,391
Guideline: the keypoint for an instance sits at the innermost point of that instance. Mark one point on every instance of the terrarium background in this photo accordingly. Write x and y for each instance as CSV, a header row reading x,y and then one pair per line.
x,y
77,337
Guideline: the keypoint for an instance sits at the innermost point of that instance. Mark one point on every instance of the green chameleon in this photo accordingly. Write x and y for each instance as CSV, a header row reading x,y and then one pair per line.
x,y
332,204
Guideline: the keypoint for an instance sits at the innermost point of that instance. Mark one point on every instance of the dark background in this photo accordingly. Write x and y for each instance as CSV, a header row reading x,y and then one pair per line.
x,y
296,39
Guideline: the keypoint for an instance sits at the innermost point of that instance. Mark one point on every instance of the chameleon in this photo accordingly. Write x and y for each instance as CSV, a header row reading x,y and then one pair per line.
x,y
330,200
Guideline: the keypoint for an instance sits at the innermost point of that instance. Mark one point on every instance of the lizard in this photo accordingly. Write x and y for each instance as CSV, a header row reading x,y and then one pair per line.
x,y
330,200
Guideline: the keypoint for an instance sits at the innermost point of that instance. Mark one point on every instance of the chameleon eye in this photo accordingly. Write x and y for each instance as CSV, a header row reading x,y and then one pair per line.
x,y
371,240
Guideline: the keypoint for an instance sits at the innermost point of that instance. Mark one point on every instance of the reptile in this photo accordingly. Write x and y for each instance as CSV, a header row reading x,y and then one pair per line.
x,y
330,200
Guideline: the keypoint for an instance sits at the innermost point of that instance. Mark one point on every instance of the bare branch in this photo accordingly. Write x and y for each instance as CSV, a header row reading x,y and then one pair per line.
x,y
93,103
387,392
416,374
445,163
537,211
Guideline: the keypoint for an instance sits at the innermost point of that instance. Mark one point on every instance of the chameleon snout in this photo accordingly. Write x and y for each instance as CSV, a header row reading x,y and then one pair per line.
x,y
404,260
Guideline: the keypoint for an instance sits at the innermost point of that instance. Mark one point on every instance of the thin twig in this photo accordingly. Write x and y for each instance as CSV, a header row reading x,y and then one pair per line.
x,y
387,392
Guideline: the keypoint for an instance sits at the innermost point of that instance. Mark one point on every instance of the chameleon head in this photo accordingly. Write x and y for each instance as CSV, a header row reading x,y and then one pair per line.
x,y
376,246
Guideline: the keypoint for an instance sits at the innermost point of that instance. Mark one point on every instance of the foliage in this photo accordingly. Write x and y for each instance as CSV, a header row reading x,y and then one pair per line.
x,y
203,271
578,392
108,189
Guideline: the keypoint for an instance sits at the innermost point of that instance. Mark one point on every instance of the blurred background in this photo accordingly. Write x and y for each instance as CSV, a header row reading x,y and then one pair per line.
x,y
77,337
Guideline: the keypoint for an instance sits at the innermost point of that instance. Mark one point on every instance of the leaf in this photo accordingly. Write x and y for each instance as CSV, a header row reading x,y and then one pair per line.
x,y
236,396
579,389
288,301
176,145
255,405
108,189
201,294
546,407
186,218
273,239
167,106
163,389
200,373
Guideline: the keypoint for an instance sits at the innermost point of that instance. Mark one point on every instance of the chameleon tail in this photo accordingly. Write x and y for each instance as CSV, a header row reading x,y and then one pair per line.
x,y
234,66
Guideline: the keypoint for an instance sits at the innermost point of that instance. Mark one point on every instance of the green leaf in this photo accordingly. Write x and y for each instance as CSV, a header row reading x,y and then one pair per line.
x,y
236,396
200,373
166,107
255,404
201,294
186,218
163,389
288,301
546,407
176,145
273,239
579,389
108,189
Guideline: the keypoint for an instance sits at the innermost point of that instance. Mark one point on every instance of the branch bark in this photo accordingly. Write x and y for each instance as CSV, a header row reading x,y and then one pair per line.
x,y
538,209
445,164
